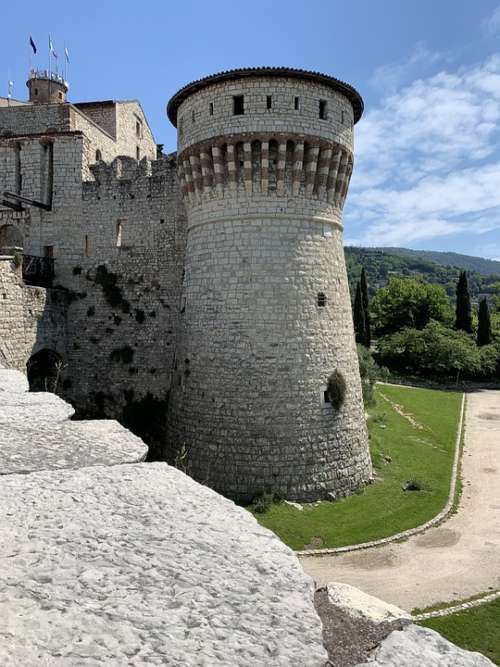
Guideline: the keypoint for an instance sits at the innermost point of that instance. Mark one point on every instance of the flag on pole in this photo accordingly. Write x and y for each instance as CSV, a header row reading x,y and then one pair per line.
x,y
32,44
51,48
66,53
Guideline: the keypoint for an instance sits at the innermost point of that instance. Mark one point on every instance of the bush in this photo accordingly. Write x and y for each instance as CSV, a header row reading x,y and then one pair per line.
x,y
414,485
370,372
18,259
437,352
336,389
262,503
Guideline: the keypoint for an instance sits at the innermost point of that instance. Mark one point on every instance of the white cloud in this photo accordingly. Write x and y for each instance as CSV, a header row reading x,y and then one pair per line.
x,y
428,159
492,23
390,77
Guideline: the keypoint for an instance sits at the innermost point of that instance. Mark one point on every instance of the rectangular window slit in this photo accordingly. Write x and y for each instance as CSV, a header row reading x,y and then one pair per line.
x,y
211,108
296,104
323,112
238,105
269,102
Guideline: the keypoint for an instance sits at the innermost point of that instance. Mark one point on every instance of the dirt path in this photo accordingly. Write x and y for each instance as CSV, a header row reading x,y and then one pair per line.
x,y
453,561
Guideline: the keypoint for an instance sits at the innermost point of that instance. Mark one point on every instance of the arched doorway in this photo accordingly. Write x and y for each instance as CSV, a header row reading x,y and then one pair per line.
x,y
11,238
44,371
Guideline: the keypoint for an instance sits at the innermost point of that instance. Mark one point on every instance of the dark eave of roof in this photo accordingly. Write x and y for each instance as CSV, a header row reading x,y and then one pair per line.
x,y
100,103
231,75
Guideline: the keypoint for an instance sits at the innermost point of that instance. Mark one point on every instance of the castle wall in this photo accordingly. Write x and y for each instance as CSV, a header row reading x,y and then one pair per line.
x,y
30,157
129,113
122,264
122,295
264,193
31,318
31,119
101,113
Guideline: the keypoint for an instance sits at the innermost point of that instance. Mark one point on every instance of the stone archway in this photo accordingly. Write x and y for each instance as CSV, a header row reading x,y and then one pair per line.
x,y
11,239
44,370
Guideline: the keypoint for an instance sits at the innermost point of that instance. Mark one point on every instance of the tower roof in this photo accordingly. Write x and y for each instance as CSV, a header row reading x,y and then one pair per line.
x,y
230,75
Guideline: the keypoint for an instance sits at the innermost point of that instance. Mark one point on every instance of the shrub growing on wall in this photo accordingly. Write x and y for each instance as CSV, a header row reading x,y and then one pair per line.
x,y
336,389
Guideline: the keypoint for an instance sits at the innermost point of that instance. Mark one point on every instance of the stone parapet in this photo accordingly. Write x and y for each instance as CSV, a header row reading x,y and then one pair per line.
x,y
265,164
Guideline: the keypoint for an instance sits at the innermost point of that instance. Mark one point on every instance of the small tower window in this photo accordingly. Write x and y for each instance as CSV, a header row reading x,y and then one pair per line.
x,y
138,129
238,105
342,117
119,234
87,246
98,155
137,153
269,102
193,116
321,299
60,95
36,91
323,110
48,251
211,108
296,104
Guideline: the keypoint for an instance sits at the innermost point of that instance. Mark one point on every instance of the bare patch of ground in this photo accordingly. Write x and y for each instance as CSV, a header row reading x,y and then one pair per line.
x,y
406,415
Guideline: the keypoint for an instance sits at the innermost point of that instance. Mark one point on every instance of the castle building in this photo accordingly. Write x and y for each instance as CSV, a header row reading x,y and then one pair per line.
x,y
204,299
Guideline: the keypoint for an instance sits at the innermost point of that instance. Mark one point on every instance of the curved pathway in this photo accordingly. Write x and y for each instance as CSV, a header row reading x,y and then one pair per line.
x,y
455,560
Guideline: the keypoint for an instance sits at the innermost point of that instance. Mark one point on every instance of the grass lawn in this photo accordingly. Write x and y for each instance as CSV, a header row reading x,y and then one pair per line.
x,y
418,445
477,629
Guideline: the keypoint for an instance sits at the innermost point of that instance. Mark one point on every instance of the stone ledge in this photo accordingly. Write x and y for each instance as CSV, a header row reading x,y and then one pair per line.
x,y
36,433
140,564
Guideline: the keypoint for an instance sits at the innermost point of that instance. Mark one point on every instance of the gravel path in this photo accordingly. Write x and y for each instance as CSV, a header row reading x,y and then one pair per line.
x,y
453,561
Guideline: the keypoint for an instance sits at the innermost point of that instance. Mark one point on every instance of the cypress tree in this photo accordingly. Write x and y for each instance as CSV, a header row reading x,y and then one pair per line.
x,y
359,317
366,307
483,324
463,309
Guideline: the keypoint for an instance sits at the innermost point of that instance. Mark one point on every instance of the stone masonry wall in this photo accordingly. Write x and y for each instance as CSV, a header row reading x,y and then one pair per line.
x,y
124,288
31,318
266,313
31,119
101,113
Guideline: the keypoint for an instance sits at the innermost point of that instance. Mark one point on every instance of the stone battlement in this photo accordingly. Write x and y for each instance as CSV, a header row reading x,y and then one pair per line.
x,y
125,168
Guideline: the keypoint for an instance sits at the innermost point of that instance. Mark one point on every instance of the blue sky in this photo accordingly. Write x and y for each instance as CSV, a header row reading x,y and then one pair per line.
x,y
427,168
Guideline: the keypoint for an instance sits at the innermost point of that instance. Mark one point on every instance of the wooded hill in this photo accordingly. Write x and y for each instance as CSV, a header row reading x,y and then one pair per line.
x,y
442,268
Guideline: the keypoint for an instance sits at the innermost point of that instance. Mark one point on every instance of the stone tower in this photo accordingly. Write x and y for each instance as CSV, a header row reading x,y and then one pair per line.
x,y
264,161
46,87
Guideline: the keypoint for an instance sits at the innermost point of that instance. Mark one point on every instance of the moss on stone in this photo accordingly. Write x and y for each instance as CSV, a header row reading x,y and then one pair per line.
x,y
112,292
124,354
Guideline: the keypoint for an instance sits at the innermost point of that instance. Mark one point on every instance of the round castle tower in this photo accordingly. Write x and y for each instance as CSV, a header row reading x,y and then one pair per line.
x,y
264,162
46,87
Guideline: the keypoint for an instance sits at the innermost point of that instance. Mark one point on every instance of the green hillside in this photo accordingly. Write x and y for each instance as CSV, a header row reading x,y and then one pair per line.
x,y
441,268
464,262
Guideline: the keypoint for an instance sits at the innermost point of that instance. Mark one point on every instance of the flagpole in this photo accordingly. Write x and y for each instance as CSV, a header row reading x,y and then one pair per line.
x,y
50,70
